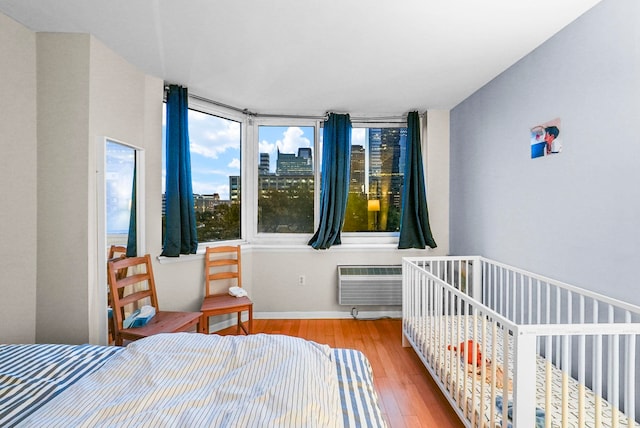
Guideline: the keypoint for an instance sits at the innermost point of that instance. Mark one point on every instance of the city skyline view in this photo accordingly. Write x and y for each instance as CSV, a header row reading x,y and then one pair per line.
x,y
215,149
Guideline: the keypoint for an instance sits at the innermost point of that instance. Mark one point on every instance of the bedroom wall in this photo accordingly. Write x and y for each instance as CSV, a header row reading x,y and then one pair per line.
x,y
84,92
574,216
270,273
18,221
63,174
71,90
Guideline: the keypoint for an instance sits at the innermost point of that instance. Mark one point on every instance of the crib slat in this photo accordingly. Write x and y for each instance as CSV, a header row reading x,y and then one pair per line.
x,y
547,378
630,406
524,375
581,368
565,379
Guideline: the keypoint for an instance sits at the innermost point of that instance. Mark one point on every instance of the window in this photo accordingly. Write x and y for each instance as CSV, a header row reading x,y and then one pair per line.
x,y
215,175
120,163
375,188
285,179
279,201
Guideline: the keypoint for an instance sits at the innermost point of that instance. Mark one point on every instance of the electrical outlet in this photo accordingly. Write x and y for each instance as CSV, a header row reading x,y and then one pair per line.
x,y
301,280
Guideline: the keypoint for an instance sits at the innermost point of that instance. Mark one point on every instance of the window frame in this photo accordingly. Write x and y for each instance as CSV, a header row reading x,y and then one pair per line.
x,y
249,162
373,238
206,107
283,238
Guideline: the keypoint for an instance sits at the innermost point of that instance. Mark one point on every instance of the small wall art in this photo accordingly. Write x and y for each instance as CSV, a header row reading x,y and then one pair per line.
x,y
546,139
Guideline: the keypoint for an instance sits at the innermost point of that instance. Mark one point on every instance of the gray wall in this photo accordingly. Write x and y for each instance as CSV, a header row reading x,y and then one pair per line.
x,y
18,183
574,216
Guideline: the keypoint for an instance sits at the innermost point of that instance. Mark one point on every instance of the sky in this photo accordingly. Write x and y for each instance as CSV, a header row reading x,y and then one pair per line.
x,y
215,149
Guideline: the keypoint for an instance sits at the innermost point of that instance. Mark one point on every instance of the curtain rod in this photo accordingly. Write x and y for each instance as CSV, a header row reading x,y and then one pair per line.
x,y
373,119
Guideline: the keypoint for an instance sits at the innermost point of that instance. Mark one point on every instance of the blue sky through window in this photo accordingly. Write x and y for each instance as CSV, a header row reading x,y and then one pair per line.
x,y
216,152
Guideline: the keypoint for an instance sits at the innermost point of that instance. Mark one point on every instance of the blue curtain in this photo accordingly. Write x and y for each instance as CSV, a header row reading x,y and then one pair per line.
x,y
132,237
336,161
180,233
415,231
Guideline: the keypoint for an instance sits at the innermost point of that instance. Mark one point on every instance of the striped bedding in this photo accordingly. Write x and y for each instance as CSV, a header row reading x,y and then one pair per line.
x,y
187,380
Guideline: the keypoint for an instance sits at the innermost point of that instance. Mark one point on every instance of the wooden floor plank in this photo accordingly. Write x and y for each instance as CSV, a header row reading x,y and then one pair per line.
x,y
408,395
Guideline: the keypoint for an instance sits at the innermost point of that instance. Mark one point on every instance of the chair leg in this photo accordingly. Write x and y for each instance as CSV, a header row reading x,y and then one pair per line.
x,y
250,319
239,325
203,325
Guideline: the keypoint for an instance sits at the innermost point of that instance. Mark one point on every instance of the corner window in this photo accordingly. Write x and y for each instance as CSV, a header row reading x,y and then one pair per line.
x,y
215,175
285,179
377,174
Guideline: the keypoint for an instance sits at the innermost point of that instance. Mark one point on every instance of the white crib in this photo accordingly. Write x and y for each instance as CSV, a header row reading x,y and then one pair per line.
x,y
542,353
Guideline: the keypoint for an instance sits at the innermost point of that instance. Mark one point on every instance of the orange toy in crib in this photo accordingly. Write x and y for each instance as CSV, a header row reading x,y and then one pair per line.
x,y
466,349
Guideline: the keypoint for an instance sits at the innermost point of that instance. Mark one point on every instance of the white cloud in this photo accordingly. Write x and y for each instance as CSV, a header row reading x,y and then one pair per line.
x,y
196,115
267,147
209,171
235,164
358,136
293,139
214,136
207,188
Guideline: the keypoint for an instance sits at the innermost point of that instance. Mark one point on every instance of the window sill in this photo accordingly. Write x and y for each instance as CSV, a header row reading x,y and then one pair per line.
x,y
286,246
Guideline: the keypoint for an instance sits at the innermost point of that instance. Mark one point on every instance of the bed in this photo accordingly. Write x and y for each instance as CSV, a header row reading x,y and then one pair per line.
x,y
510,348
188,379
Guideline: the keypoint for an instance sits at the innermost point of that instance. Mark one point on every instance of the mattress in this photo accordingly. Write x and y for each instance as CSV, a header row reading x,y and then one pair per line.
x,y
63,385
458,376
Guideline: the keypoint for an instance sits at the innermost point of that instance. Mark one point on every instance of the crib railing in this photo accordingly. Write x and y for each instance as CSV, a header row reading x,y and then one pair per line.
x,y
581,337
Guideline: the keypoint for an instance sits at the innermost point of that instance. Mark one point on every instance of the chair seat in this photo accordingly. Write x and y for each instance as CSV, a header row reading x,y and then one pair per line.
x,y
220,304
162,322
225,302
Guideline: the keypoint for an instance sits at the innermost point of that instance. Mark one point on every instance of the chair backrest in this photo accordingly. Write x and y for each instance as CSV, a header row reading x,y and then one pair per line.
x,y
140,285
118,252
222,263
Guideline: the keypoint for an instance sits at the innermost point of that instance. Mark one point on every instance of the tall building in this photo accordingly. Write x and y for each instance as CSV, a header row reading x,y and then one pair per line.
x,y
234,188
263,166
291,163
385,171
358,173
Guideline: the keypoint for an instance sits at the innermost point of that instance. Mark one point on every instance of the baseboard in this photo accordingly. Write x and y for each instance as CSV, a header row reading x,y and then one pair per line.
x,y
326,315
361,315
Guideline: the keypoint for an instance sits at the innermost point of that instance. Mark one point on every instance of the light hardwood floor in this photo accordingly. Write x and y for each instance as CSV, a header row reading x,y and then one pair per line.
x,y
408,395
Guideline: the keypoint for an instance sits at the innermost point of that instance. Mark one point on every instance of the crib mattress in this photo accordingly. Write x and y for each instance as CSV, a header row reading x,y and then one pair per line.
x,y
457,376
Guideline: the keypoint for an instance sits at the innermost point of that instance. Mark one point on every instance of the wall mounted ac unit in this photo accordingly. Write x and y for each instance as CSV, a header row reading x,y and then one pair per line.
x,y
370,285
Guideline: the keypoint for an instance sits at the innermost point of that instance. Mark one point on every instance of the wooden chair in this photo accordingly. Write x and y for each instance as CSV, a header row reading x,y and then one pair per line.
x,y
115,252
223,265
141,289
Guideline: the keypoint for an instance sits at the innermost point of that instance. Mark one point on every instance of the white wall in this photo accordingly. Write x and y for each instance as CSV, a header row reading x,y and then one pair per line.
x,y
85,91
574,216
63,197
18,178
126,105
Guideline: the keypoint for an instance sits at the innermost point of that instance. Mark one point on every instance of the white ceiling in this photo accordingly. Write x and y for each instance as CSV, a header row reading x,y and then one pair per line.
x,y
307,57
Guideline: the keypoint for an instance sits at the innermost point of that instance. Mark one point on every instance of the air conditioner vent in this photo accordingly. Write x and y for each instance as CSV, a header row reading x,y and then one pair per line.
x,y
370,285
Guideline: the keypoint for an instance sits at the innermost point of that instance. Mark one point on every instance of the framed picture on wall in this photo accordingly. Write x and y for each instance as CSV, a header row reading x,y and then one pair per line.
x,y
545,139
